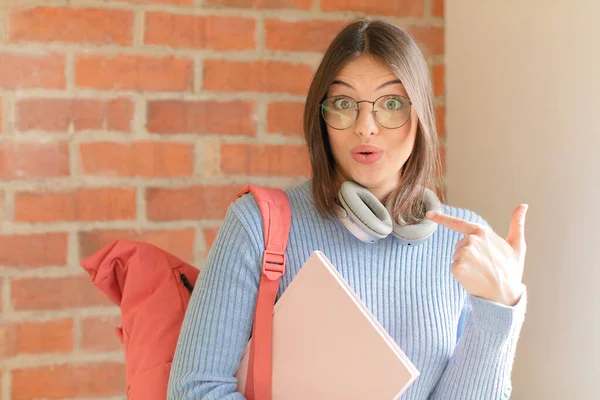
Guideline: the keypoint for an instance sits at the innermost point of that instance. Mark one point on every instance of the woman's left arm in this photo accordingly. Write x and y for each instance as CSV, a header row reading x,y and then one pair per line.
x,y
490,269
481,365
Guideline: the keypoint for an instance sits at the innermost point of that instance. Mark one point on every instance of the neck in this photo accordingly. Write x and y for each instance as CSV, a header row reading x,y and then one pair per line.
x,y
381,192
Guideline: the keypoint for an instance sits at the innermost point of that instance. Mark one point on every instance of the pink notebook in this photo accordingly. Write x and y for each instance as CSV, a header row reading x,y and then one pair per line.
x,y
327,345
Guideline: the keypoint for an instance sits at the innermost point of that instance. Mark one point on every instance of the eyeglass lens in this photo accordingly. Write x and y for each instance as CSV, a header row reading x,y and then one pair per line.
x,y
391,111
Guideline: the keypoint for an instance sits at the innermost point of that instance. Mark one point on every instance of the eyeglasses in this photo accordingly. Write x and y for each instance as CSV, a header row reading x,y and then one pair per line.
x,y
390,111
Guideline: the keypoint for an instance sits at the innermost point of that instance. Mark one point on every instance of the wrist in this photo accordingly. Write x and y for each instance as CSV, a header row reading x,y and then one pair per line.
x,y
512,295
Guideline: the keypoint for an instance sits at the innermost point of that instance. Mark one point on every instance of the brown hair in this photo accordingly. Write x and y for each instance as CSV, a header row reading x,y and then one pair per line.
x,y
394,47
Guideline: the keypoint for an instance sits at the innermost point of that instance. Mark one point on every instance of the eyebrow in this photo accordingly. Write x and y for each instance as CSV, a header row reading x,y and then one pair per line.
x,y
340,82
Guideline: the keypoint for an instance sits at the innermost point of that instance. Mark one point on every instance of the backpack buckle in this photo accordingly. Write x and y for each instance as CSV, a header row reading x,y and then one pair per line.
x,y
273,264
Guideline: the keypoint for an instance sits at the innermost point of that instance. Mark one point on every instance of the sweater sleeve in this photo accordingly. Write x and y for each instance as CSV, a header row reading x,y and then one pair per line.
x,y
481,364
218,321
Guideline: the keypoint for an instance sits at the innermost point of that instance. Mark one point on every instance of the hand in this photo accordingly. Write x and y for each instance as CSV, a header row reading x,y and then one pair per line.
x,y
486,265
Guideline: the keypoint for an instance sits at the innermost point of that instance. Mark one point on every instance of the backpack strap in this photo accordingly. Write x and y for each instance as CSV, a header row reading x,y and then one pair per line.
x,y
276,215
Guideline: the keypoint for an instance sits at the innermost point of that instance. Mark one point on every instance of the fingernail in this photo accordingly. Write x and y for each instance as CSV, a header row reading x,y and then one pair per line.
x,y
430,214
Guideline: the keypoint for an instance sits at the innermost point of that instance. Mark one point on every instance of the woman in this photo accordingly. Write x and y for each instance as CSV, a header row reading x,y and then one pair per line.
x,y
452,298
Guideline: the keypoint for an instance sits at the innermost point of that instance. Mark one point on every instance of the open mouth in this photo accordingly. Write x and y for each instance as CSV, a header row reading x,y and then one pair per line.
x,y
366,154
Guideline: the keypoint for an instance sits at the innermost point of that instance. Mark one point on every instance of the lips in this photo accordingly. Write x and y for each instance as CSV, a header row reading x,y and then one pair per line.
x,y
366,149
366,154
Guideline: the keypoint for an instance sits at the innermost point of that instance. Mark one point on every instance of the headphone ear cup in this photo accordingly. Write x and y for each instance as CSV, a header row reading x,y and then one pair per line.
x,y
364,212
416,234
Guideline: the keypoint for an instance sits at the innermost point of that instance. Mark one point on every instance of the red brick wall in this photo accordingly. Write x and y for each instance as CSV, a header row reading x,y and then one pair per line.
x,y
114,122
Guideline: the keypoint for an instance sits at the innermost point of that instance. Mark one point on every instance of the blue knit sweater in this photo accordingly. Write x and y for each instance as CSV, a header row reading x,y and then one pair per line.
x,y
462,345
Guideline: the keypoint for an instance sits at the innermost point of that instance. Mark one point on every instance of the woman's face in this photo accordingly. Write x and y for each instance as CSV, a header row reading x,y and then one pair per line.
x,y
364,78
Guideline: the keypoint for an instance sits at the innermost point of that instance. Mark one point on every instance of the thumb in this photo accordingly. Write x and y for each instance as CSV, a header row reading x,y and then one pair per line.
x,y
516,232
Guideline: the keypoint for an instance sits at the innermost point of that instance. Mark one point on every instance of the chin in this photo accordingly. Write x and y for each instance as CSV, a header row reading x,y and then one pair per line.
x,y
368,180
368,176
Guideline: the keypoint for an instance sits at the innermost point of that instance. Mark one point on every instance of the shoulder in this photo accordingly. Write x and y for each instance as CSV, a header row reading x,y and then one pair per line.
x,y
245,208
296,193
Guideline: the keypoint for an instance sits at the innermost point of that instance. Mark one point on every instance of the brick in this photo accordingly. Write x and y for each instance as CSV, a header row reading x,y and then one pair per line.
x,y
1,116
83,204
438,72
74,25
260,4
20,70
143,159
301,35
62,293
265,160
179,116
437,8
415,8
34,250
257,76
119,114
25,160
98,334
429,38
440,115
193,202
36,337
68,381
203,32
2,216
286,118
57,115
131,72
179,242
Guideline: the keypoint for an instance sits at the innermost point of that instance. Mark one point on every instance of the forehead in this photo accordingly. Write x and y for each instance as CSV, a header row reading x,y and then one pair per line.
x,y
365,74
365,67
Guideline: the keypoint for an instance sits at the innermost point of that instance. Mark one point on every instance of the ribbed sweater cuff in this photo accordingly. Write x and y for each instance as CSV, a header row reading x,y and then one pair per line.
x,y
495,317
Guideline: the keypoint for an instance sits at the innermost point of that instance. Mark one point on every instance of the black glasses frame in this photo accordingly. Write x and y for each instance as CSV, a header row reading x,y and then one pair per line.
x,y
322,104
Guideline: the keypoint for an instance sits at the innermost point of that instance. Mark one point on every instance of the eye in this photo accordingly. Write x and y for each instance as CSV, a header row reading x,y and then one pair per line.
x,y
393,103
343,103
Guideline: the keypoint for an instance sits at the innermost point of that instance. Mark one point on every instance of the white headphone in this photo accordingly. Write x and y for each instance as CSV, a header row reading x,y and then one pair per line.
x,y
369,220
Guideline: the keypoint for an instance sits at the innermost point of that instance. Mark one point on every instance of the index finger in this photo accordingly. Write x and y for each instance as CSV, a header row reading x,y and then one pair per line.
x,y
456,224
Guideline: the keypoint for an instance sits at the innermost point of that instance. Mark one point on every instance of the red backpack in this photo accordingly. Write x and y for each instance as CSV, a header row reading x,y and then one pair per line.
x,y
153,288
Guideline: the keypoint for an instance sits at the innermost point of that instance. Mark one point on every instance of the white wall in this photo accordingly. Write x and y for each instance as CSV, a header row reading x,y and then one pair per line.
x,y
523,104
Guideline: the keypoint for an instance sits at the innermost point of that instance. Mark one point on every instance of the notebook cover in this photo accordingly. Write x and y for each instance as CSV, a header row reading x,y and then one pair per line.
x,y
328,345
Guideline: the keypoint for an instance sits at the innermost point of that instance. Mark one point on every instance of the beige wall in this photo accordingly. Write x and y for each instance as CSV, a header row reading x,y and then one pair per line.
x,y
522,97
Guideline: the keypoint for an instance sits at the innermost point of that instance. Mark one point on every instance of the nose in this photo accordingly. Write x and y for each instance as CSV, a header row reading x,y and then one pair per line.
x,y
365,123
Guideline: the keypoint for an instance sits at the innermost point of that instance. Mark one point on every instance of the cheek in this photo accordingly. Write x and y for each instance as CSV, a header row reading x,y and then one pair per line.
x,y
336,142
409,133
402,144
